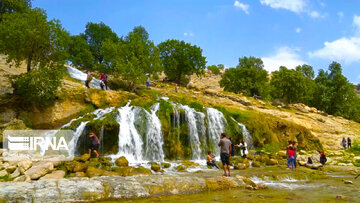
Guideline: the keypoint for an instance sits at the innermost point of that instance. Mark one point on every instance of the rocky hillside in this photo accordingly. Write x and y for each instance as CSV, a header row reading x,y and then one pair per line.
x,y
273,121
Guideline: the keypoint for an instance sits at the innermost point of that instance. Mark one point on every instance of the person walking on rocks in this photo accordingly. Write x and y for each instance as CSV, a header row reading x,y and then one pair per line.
x,y
343,142
291,161
94,145
225,149
348,142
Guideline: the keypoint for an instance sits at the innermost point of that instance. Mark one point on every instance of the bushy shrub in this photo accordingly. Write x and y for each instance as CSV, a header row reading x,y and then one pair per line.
x,y
214,69
355,147
39,86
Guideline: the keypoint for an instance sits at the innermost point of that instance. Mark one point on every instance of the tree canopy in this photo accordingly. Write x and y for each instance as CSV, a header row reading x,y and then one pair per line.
x,y
181,59
248,78
27,36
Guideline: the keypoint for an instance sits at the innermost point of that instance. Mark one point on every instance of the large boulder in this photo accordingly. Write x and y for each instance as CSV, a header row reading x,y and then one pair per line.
x,y
54,175
85,157
16,173
3,173
155,167
23,178
92,171
314,165
122,161
39,169
78,166
24,165
271,162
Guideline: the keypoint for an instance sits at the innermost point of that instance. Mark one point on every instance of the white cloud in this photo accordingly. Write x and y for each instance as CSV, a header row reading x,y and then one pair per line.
x,y
315,14
346,49
284,56
244,7
298,30
296,6
356,23
190,34
343,49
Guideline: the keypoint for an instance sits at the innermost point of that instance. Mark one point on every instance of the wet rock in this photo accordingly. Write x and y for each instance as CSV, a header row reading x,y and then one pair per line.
x,y
77,174
155,167
92,171
122,161
240,166
110,173
85,157
54,175
39,169
302,163
261,186
271,162
255,164
282,154
181,168
78,166
348,182
165,165
314,166
218,183
249,187
141,171
123,171
189,164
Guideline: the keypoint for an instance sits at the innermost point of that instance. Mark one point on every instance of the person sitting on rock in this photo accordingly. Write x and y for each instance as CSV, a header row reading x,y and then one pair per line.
x,y
323,158
94,145
211,161
309,161
88,79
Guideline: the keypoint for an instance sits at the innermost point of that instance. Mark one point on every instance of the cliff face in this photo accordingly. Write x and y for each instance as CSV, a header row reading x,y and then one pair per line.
x,y
265,121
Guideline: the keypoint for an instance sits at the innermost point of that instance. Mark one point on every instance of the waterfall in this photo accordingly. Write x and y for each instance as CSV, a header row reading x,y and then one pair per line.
x,y
190,117
73,142
216,125
176,119
81,76
154,141
130,142
247,136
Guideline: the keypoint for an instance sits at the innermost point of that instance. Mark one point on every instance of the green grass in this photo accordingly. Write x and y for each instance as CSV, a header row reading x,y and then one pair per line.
x,y
355,148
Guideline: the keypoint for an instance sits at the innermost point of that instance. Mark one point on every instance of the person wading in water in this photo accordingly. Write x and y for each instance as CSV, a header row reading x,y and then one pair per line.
x,y
225,149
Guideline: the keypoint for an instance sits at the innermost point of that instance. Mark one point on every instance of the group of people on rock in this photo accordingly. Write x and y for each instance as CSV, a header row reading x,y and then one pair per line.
x,y
103,80
345,142
226,151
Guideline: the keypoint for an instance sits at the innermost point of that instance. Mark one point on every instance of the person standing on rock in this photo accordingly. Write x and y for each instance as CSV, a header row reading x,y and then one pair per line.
x,y
243,148
348,142
232,147
104,79
225,149
343,142
148,83
291,161
94,145
88,79
323,158
176,87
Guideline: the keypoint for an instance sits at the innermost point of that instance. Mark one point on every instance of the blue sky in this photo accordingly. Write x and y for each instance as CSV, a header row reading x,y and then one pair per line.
x,y
281,32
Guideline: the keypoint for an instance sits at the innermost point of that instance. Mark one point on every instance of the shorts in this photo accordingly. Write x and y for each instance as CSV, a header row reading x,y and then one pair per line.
x,y
94,146
225,159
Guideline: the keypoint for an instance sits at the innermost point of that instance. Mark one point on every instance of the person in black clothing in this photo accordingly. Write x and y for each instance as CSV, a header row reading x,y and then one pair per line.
x,y
309,161
94,145
349,142
232,147
323,158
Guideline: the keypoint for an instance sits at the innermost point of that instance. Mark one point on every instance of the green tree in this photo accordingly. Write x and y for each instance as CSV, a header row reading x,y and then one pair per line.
x,y
214,69
79,51
181,59
133,57
10,6
306,70
221,66
96,34
292,86
249,78
27,36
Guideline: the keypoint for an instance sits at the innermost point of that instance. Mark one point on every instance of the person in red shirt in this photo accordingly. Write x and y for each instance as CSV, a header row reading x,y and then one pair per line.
x,y
291,161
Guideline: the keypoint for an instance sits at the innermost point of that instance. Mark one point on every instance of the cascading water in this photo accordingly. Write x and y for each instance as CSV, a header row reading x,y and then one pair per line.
x,y
247,136
190,117
79,75
73,142
154,141
130,142
216,125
